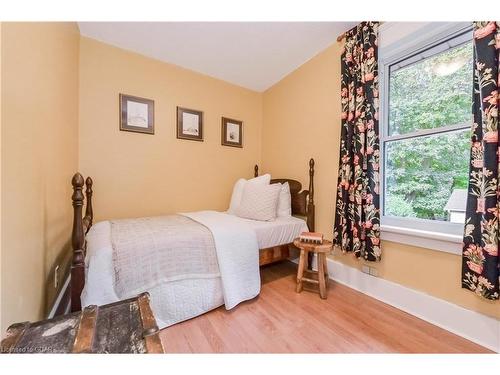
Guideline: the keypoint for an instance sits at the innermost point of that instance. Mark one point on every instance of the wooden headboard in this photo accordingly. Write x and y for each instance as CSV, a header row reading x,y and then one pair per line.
x,y
302,200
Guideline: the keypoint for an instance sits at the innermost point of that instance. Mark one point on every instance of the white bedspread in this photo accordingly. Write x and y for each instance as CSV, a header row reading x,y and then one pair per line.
x,y
237,254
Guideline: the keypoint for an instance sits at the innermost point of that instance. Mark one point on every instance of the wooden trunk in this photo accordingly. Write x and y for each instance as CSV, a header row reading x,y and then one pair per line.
x,y
127,326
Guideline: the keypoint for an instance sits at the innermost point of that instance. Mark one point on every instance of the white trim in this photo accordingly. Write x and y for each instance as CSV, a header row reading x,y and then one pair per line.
x,y
428,132
434,227
471,325
413,39
59,297
438,241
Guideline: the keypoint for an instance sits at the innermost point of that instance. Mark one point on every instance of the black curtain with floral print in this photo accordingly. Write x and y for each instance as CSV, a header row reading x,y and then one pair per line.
x,y
357,213
480,262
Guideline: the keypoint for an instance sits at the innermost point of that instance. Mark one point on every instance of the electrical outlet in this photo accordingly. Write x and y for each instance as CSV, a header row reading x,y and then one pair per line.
x,y
373,271
369,270
56,277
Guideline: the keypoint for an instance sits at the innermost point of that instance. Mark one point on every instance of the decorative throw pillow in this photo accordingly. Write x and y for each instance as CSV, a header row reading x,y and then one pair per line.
x,y
285,201
259,202
238,190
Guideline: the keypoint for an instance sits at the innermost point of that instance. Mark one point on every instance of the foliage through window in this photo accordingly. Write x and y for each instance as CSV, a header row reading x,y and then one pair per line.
x,y
427,141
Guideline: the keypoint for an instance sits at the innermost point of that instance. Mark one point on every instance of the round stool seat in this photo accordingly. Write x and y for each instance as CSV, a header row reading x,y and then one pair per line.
x,y
324,247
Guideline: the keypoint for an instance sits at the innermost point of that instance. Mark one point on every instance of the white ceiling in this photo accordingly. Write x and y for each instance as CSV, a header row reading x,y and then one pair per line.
x,y
254,55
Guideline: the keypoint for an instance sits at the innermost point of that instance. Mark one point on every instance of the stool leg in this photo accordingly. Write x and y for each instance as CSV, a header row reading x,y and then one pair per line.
x,y
300,271
325,264
310,257
321,275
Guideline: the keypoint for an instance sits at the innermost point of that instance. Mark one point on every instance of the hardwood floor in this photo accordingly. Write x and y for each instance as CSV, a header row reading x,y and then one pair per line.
x,y
282,321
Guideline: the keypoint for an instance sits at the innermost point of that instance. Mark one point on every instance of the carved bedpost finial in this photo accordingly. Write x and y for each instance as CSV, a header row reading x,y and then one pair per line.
x,y
77,197
256,170
89,212
311,180
88,184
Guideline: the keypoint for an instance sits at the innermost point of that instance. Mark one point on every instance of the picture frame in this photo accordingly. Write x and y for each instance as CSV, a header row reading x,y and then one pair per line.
x,y
136,114
232,132
189,124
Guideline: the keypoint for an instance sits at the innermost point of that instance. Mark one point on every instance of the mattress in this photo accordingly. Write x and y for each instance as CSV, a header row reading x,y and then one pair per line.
x,y
183,299
278,232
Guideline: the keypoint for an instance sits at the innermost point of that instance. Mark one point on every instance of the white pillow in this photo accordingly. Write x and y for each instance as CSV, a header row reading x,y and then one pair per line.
x,y
285,201
259,202
238,190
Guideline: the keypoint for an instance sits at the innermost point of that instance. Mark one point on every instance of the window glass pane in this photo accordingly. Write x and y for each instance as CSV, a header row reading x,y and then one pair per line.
x,y
434,92
426,177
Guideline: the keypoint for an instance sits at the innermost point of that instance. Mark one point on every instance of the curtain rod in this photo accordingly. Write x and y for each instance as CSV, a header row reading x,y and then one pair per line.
x,y
342,36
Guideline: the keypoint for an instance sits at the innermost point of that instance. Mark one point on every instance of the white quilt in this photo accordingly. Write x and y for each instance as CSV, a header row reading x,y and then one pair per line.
x,y
237,254
176,301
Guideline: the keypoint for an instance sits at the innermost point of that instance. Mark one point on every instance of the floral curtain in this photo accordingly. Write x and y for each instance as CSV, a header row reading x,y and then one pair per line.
x,y
357,216
480,262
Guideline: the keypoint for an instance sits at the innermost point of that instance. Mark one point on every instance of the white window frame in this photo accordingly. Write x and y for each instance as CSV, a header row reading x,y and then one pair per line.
x,y
431,234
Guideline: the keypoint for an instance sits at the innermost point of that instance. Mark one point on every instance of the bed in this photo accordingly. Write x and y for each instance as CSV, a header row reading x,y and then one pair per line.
x,y
240,247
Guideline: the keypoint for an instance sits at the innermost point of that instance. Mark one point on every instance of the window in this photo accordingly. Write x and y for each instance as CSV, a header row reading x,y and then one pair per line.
x,y
426,136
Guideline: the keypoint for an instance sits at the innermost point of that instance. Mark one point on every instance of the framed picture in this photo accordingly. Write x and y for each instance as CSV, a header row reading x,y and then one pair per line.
x,y
136,114
232,132
189,124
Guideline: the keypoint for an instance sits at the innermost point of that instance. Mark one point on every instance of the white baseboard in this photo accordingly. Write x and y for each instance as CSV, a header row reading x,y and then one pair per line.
x,y
471,325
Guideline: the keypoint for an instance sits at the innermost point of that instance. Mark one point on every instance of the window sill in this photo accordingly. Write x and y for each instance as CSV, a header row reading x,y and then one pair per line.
x,y
447,243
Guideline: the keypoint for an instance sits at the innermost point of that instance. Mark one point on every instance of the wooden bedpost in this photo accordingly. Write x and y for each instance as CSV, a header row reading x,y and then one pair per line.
x,y
77,241
310,209
256,171
89,212
310,203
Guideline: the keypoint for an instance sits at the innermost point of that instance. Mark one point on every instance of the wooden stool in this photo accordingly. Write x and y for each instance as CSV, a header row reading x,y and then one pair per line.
x,y
321,250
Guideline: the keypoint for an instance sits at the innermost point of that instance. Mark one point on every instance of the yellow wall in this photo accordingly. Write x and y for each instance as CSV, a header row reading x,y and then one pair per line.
x,y
59,96
39,153
138,174
1,309
303,110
